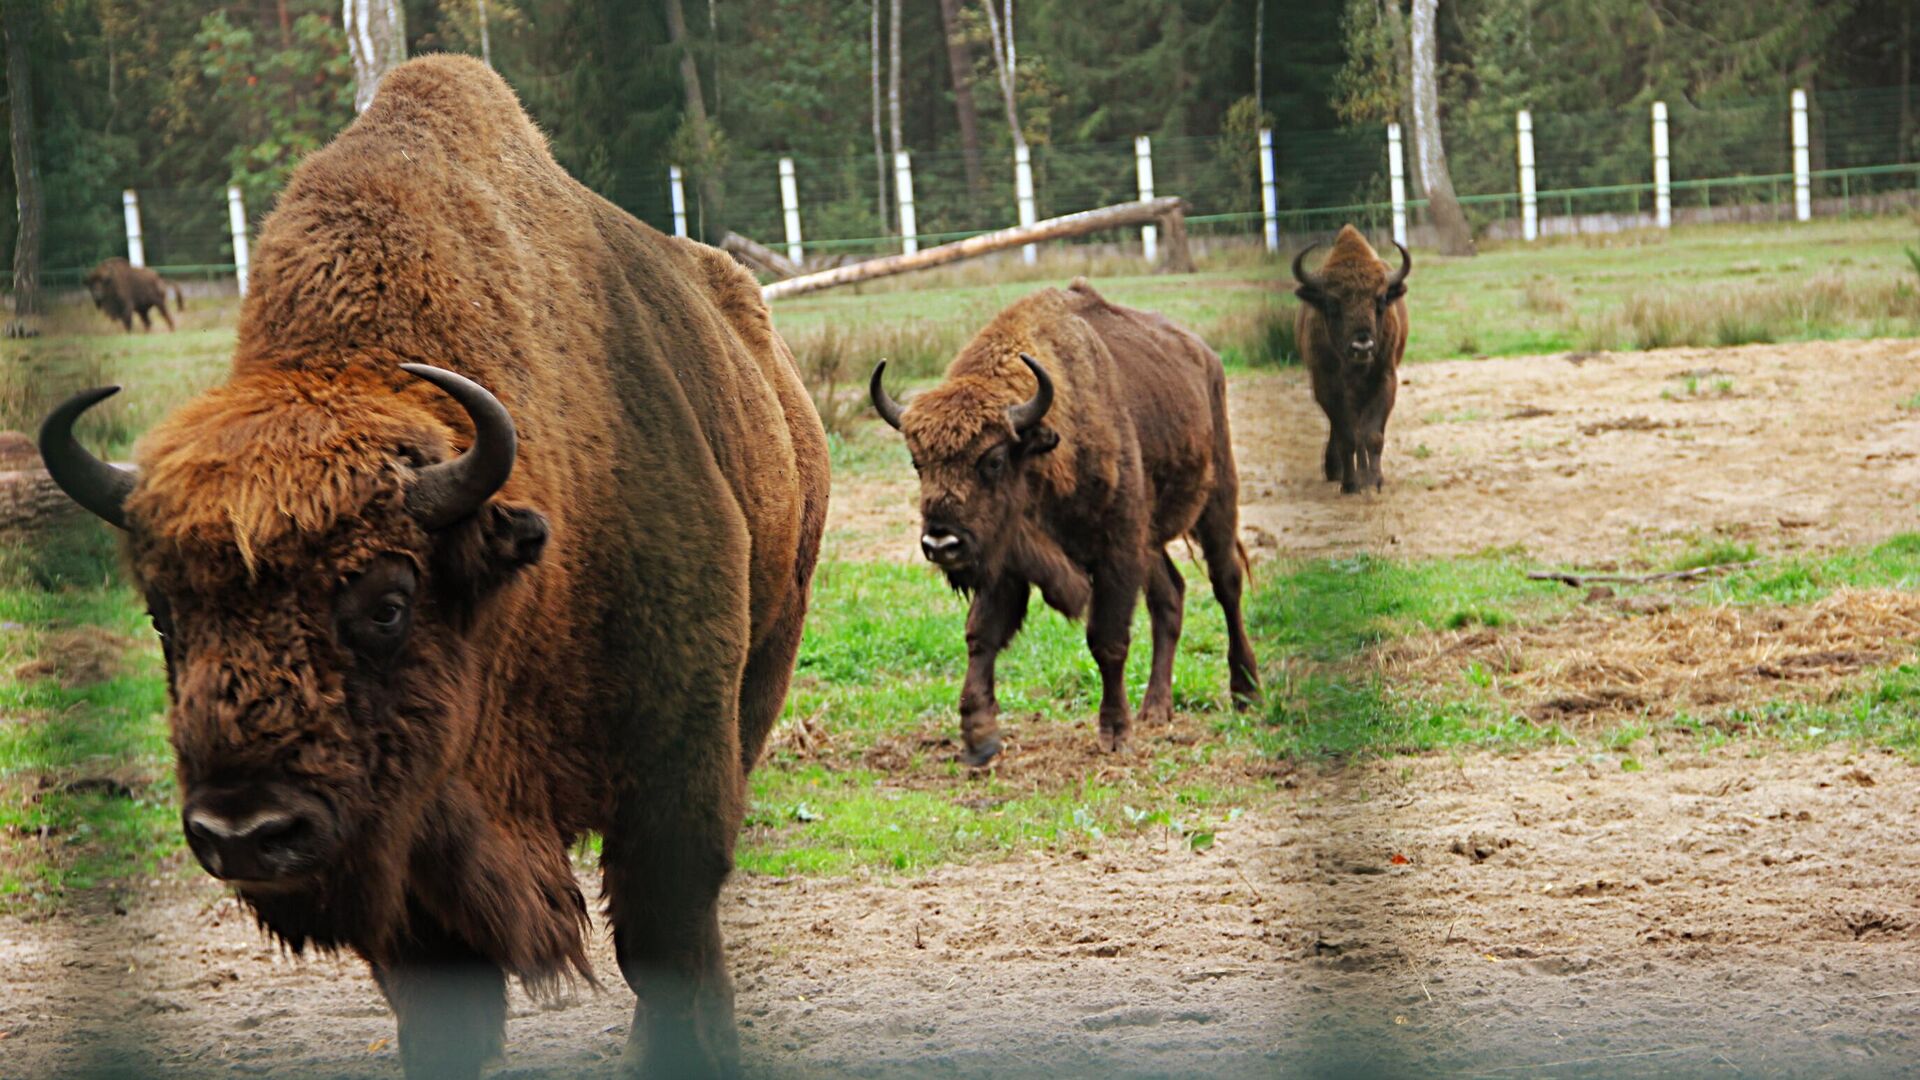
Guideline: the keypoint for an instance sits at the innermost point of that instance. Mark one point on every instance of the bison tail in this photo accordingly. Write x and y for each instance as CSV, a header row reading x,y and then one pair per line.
x,y
179,298
1246,561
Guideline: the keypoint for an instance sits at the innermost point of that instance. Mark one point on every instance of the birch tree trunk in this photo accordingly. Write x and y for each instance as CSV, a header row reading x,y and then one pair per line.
x,y
960,66
16,20
377,38
1456,235
706,173
1003,61
893,84
879,145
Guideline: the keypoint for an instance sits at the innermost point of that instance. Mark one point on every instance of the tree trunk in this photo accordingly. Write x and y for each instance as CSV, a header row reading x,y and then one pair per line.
x,y
705,171
960,65
16,21
1456,235
377,38
486,42
1003,61
1259,46
893,87
879,145
1906,82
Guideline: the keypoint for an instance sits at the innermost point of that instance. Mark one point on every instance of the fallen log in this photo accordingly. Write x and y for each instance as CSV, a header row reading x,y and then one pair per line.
x,y
1169,210
1578,580
758,255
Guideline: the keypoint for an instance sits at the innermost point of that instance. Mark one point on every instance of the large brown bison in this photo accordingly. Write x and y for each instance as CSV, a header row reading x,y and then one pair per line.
x,y
1352,329
1072,440
123,290
499,533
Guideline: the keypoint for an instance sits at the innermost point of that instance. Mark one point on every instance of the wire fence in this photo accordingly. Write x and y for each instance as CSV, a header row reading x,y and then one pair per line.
x,y
1594,170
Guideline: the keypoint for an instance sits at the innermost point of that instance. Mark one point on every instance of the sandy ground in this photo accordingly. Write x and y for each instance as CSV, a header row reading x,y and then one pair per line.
x,y
1733,913
1578,458
1741,912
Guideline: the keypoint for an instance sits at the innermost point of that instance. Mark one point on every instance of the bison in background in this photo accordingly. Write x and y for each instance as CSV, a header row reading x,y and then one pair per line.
x,y
425,627
123,290
1071,442
1352,329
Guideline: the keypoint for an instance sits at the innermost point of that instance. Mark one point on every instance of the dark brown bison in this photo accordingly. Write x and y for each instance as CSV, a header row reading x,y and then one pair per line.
x,y
123,290
1352,329
1072,440
425,627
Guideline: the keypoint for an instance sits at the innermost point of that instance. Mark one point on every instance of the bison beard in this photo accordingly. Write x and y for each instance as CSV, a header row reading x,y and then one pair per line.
x,y
122,290
499,533
1351,329
1070,443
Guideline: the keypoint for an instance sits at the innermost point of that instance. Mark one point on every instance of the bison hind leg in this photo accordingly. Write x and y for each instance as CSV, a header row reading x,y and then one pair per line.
x,y
450,1001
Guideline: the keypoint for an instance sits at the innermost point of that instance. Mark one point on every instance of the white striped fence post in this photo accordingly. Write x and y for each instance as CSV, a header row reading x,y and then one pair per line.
x,y
1802,161
1529,201
1023,190
790,202
679,192
1143,166
1397,183
136,247
1662,169
903,192
1269,202
237,223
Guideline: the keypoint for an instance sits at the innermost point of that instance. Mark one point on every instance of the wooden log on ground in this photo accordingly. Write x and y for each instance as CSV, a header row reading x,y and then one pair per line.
x,y
758,255
1169,210
30,501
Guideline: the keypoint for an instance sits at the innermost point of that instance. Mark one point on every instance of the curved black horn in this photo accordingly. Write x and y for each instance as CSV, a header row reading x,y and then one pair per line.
x,y
99,487
1300,272
453,490
1028,413
1406,264
883,402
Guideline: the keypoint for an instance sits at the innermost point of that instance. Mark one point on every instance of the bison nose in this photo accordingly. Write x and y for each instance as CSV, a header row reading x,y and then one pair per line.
x,y
1362,345
943,546
257,845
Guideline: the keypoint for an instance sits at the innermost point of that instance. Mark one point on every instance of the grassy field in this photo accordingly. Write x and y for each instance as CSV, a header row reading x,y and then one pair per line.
x,y
860,775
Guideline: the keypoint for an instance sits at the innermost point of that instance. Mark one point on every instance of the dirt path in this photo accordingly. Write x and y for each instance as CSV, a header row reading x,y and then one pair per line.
x,y
1551,914
1575,459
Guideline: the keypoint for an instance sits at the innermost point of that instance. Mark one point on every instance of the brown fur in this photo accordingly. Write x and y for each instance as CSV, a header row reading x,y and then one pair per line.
x,y
621,681
122,290
1356,394
1134,454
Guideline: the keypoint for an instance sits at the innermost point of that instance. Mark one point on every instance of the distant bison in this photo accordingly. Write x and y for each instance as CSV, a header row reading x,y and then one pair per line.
x,y
124,290
1072,440
427,627
1352,330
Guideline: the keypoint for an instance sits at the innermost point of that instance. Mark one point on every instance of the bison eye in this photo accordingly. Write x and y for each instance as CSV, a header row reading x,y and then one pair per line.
x,y
387,615
993,464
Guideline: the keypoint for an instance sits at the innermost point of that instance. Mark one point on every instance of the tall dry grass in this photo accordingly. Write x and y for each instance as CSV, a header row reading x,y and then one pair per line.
x,y
1749,313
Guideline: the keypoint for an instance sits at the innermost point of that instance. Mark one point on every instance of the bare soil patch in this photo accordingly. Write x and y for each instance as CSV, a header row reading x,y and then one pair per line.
x,y
1575,457
1547,914
1608,662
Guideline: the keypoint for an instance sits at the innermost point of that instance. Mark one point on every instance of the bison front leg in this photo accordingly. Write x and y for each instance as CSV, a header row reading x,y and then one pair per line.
x,y
1116,588
450,1001
992,621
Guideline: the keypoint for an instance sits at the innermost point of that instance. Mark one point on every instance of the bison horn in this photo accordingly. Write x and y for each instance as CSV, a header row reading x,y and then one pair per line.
x,y
883,402
452,491
99,487
1300,273
1406,264
1028,413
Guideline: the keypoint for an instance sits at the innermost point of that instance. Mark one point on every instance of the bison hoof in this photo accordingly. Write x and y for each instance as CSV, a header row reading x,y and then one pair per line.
x,y
1112,742
977,757
1155,713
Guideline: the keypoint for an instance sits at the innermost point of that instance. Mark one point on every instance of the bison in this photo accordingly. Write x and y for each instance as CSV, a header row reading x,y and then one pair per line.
x,y
499,532
1072,440
1352,329
123,290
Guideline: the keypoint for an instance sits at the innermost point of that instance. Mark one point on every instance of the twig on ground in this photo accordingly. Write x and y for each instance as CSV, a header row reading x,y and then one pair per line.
x,y
1578,580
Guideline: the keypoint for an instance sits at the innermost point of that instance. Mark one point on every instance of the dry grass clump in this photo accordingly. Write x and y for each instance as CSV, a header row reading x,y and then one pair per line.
x,y
1544,295
81,656
1600,663
1753,312
837,359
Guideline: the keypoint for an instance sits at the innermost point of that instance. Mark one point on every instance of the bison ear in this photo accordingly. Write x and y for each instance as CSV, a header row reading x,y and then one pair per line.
x,y
1038,439
1312,295
1395,292
476,556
